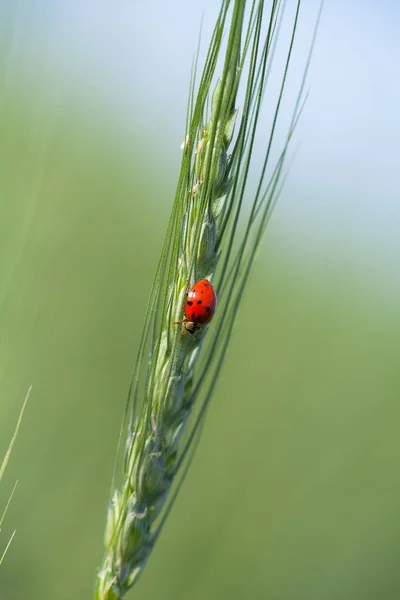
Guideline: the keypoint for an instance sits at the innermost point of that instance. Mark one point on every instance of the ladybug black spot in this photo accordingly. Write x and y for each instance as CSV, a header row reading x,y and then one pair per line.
x,y
193,315
189,303
208,309
199,301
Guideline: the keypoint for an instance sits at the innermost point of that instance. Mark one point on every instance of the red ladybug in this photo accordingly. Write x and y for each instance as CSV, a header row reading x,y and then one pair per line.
x,y
200,306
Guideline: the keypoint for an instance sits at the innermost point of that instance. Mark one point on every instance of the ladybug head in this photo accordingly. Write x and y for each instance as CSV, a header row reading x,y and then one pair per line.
x,y
192,327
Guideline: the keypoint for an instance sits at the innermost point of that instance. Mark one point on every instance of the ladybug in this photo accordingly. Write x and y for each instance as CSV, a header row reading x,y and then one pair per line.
x,y
199,307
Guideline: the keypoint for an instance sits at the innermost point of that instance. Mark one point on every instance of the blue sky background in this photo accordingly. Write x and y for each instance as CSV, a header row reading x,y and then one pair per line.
x,y
129,62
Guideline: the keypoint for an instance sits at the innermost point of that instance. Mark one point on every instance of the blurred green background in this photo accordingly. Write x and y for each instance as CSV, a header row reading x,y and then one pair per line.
x,y
294,492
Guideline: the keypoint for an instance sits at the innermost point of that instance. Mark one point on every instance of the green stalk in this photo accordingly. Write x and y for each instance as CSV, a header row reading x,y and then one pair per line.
x,y
208,236
3,467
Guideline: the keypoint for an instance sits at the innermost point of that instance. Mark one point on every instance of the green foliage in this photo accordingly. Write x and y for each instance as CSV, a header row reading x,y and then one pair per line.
x,y
293,492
